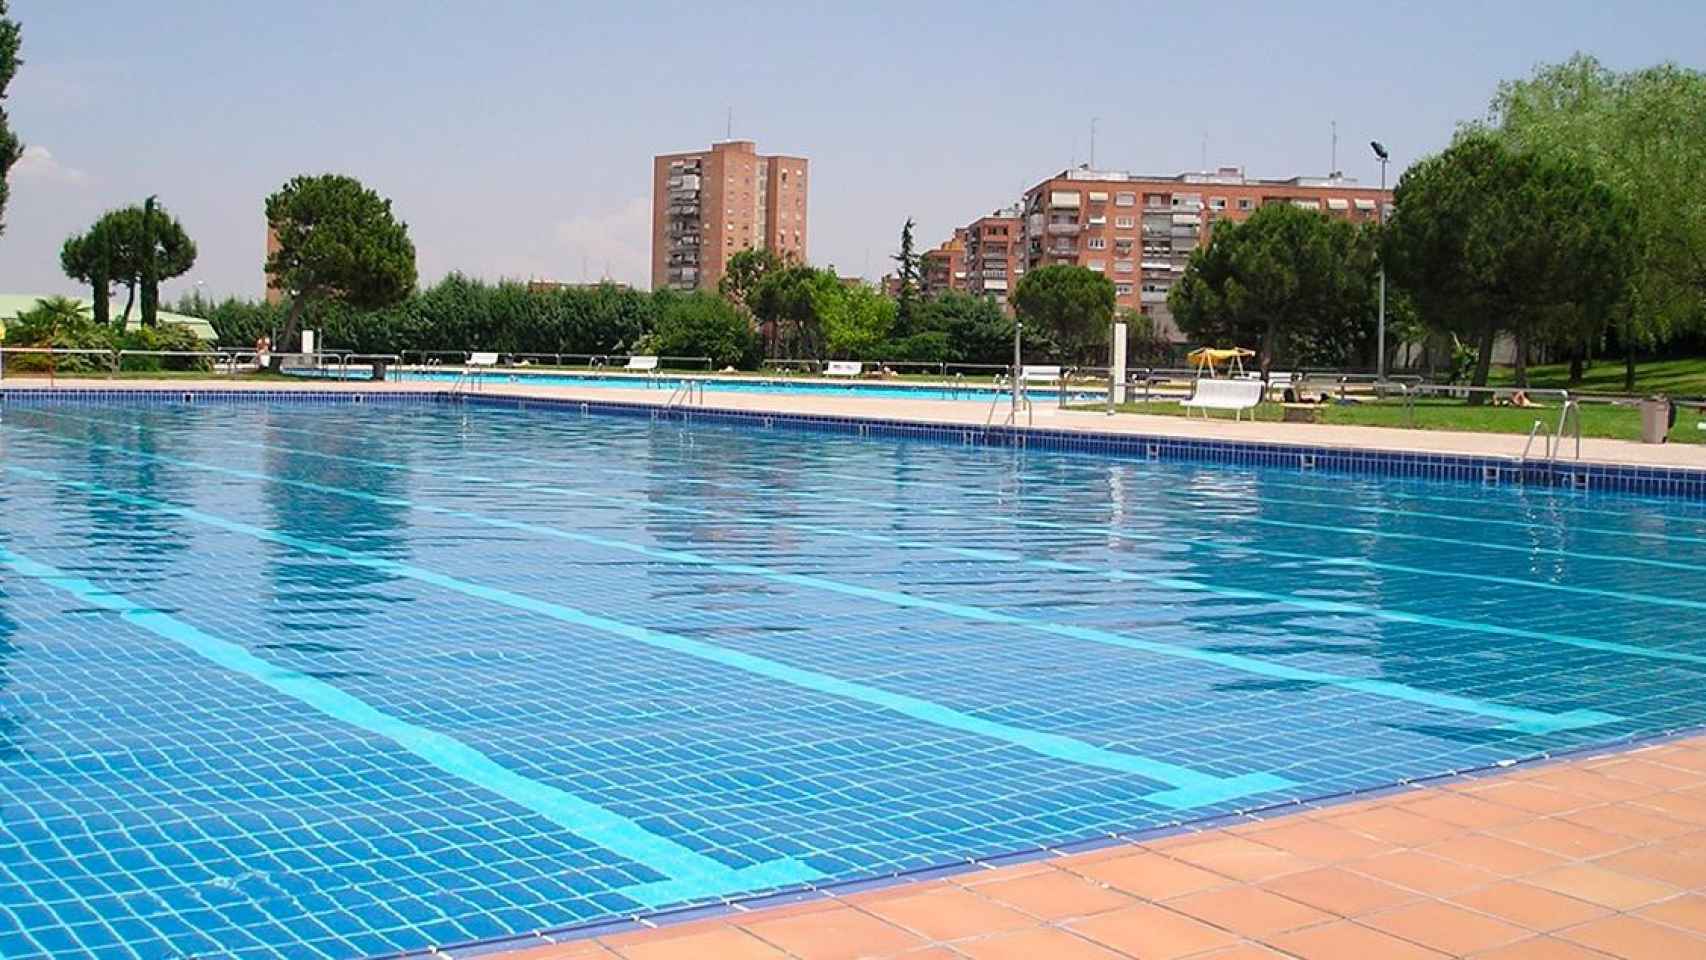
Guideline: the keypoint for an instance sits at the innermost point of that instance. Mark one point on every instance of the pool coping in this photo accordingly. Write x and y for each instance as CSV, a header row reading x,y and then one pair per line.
x,y
808,893
1671,482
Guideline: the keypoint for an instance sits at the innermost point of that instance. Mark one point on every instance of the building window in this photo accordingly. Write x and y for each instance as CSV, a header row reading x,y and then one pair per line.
x,y
1097,264
1122,289
1125,200
1217,203
1244,203
1097,243
1122,266
1124,223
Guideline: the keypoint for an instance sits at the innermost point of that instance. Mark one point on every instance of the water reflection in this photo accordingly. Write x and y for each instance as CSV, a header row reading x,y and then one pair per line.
x,y
312,598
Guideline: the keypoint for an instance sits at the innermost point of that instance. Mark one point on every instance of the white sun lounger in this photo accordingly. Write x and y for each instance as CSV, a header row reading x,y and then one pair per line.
x,y
642,363
482,360
1039,374
843,368
1234,395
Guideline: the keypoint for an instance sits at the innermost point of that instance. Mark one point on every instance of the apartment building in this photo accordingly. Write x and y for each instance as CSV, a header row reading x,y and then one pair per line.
x,y
1140,230
994,253
709,205
944,268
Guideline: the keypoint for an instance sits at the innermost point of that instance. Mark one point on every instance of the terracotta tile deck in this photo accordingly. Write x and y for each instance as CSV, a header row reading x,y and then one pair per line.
x,y
1589,859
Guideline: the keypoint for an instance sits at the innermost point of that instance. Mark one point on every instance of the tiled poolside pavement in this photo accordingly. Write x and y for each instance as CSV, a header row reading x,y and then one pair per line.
x,y
1577,860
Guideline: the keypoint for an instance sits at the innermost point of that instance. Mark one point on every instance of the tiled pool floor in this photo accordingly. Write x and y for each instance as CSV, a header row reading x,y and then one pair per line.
x,y
1579,860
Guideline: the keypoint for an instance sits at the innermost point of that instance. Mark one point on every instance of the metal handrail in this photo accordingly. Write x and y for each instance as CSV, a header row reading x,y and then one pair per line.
x,y
1532,431
688,391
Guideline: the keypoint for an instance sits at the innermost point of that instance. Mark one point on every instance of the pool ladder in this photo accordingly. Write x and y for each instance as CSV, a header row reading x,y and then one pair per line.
x,y
1554,442
688,393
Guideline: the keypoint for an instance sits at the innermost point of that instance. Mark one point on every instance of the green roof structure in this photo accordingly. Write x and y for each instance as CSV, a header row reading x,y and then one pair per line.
x,y
13,304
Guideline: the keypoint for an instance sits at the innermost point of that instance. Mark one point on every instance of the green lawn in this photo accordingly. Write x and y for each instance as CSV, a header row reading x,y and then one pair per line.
x,y
1598,420
1675,378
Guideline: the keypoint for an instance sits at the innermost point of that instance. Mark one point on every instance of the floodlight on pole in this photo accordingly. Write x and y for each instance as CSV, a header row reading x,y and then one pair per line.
x,y
1380,336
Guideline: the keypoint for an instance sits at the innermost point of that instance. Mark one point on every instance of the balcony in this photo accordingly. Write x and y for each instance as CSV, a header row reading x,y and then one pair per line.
x,y
1034,224
1068,228
1063,251
1153,296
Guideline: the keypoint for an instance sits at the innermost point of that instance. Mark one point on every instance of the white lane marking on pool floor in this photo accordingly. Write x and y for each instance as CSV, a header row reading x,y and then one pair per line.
x,y
1190,788
692,875
1521,719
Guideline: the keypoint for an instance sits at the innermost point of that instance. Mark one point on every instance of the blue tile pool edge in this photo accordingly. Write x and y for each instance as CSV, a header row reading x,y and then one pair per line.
x,y
736,906
1676,482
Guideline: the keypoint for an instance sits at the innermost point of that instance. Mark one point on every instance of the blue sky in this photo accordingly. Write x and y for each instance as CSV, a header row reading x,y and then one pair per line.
x,y
515,136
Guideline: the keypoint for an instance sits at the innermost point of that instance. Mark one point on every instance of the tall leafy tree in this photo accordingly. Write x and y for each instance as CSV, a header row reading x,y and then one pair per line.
x,y
977,329
134,246
1643,132
739,285
1296,285
337,242
11,148
1490,240
906,276
1073,304
88,258
745,271
703,324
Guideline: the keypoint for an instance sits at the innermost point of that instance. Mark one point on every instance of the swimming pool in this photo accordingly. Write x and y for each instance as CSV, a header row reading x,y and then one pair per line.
x,y
338,681
982,392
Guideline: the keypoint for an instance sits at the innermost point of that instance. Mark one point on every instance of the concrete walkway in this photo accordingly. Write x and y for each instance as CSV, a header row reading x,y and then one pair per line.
x,y
977,413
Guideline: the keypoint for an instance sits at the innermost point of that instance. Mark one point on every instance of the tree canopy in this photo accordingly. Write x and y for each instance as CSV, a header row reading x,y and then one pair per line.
x,y
745,270
337,241
1644,133
11,148
126,247
906,273
1298,286
1488,240
703,324
1075,305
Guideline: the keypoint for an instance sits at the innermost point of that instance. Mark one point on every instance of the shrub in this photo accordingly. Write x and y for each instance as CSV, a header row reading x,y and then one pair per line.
x,y
61,324
703,325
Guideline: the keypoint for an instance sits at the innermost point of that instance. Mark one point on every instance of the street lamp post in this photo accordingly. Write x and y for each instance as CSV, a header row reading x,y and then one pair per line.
x,y
1380,362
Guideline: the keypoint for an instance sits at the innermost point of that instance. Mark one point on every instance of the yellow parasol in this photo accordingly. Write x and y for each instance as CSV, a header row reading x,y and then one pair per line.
x,y
1205,359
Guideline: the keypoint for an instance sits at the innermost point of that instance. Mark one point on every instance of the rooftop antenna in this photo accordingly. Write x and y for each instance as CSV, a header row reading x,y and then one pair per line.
x,y
1333,170
729,134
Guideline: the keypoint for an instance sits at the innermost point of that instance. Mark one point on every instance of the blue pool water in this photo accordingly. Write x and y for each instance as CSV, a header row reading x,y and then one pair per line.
x,y
666,382
339,681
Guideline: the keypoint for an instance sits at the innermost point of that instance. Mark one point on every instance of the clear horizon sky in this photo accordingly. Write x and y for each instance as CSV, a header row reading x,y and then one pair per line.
x,y
515,136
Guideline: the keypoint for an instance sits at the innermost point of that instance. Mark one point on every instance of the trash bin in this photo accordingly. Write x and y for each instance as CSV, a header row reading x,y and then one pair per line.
x,y
1655,419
